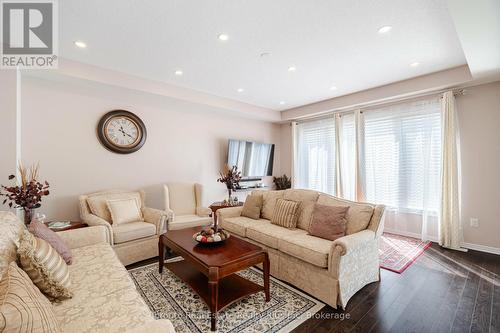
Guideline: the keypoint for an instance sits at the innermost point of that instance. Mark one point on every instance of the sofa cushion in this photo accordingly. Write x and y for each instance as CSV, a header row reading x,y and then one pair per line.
x,y
124,210
252,207
269,234
40,230
23,308
44,266
328,222
268,202
307,199
285,213
358,216
98,202
239,224
133,230
10,232
188,221
309,248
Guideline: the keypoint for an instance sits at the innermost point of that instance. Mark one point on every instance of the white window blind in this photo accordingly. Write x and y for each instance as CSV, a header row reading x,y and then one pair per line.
x,y
315,160
402,155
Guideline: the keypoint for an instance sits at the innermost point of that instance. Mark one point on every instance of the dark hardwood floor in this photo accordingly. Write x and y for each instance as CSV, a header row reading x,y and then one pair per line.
x,y
442,291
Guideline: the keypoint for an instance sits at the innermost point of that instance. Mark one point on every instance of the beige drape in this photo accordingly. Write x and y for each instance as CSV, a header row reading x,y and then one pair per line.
x,y
450,229
338,155
293,153
360,143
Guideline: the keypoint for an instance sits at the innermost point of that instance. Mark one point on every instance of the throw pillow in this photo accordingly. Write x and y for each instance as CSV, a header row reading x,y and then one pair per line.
x,y
252,207
40,230
44,266
328,222
98,203
23,308
124,211
285,213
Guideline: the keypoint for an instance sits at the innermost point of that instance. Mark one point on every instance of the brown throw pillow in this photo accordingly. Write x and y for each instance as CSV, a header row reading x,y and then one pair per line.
x,y
285,213
328,222
45,267
40,230
23,308
252,207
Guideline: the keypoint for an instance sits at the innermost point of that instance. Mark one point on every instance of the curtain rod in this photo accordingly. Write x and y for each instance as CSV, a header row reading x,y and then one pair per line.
x,y
367,106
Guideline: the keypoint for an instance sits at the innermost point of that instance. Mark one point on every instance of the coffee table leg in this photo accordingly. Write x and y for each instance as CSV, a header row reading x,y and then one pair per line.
x,y
161,255
213,284
266,277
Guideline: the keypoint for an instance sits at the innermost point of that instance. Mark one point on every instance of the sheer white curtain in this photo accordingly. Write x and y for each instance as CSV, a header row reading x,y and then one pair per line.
x,y
348,155
402,158
315,156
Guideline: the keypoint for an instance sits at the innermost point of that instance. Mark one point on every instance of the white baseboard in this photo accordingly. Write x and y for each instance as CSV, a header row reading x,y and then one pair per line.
x,y
470,246
482,248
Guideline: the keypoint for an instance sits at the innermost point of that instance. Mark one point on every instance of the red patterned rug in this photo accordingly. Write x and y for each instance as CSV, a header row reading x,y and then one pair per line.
x,y
397,253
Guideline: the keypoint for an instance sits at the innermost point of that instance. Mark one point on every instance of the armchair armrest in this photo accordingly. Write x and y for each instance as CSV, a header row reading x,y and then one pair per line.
x,y
156,217
94,220
351,242
203,211
85,236
225,213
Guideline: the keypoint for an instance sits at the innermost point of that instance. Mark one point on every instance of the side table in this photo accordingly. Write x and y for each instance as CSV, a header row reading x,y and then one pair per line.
x,y
218,205
72,225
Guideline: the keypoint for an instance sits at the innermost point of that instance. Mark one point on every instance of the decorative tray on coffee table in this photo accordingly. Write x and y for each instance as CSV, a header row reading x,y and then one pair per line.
x,y
210,236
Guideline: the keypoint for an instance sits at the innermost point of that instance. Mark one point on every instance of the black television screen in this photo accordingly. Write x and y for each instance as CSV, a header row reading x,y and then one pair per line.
x,y
253,159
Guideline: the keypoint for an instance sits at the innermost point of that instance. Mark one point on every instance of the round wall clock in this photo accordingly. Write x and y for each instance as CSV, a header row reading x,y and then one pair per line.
x,y
121,132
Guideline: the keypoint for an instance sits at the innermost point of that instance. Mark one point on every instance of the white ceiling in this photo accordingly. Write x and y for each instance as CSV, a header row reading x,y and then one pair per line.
x,y
331,43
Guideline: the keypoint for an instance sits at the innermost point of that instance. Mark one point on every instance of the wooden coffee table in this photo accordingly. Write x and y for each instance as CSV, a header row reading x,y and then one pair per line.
x,y
209,269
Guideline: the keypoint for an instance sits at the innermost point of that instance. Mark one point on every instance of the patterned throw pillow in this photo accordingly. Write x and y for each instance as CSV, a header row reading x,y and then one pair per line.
x,y
44,266
40,230
285,213
23,308
252,207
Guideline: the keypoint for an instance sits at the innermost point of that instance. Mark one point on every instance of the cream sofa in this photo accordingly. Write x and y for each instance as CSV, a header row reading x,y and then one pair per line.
x,y
332,271
134,241
104,296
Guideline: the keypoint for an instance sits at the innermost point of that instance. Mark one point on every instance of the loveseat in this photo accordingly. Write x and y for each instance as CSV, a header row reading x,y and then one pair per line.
x,y
332,271
104,296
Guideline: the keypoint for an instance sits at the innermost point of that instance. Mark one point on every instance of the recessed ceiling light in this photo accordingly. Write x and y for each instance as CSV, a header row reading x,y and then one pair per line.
x,y
282,103
178,72
414,64
240,90
292,69
80,44
223,37
333,88
384,29
265,54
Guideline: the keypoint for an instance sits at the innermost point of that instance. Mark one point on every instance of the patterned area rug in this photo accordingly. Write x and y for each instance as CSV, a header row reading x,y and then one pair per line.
x,y
168,297
397,253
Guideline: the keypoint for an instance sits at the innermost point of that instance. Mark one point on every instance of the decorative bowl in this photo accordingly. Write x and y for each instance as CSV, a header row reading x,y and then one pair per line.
x,y
210,236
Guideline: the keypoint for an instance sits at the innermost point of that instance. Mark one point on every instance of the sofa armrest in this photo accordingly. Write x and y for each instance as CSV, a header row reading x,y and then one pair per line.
x,y
155,326
225,213
84,236
94,220
203,211
156,217
351,242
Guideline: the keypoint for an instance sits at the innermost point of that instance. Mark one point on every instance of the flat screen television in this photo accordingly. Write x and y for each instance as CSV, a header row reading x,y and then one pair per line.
x,y
253,159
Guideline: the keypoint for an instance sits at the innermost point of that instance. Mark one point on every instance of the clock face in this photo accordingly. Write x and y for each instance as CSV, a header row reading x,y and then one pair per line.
x,y
121,132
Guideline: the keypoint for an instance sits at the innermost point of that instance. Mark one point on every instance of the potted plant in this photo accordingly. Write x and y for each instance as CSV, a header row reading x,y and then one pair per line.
x,y
231,177
282,183
27,192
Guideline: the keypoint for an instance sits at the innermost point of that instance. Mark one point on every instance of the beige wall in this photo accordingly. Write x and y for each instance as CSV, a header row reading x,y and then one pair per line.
x,y
186,142
479,116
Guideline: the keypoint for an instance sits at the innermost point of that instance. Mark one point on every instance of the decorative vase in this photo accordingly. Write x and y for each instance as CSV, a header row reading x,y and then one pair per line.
x,y
28,215
229,192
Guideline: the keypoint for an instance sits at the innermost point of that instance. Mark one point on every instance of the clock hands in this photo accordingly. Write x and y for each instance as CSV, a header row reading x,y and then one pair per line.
x,y
125,133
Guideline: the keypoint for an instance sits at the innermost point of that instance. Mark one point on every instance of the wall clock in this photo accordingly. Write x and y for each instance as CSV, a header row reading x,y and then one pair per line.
x,y
121,132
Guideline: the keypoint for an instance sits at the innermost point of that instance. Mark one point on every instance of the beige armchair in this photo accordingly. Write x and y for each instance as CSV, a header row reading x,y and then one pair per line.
x,y
132,241
183,203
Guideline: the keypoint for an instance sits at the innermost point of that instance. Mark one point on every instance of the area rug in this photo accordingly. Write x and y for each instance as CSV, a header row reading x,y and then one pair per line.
x,y
397,253
168,297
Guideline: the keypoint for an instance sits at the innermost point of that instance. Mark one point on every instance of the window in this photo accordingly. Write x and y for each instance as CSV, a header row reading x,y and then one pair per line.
x,y
315,167
399,148
402,155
